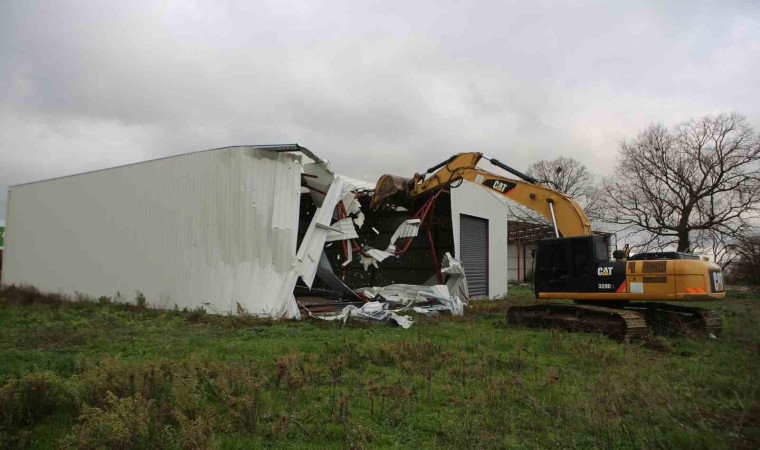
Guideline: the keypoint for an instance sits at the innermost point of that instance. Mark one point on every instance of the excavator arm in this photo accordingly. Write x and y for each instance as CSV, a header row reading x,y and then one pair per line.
x,y
562,211
571,268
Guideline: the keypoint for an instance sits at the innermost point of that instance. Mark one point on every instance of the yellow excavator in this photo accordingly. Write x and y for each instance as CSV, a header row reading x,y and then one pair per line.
x,y
623,297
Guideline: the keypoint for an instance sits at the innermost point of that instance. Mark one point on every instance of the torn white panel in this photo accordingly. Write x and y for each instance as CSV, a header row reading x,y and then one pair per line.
x,y
311,155
318,177
349,198
367,292
343,230
326,274
452,301
441,293
373,307
314,240
410,294
370,310
360,185
375,253
370,257
359,219
410,228
349,254
425,311
352,205
457,281
405,293
368,261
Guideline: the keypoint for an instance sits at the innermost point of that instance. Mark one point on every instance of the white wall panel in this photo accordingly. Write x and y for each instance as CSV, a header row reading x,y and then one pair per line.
x,y
211,228
474,200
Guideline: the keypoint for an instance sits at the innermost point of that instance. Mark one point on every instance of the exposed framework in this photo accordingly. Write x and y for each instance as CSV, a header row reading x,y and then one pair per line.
x,y
524,235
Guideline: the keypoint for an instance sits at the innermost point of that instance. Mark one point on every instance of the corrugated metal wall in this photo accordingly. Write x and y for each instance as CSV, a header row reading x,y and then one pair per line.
x,y
213,228
473,242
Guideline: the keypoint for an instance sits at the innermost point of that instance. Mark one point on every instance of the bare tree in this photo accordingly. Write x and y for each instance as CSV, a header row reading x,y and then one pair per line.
x,y
700,179
747,264
563,174
721,246
566,175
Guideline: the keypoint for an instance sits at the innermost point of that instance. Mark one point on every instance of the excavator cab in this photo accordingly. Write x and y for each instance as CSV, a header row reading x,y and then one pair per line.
x,y
577,264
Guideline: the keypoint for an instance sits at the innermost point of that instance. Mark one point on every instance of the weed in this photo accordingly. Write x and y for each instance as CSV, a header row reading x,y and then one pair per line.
x,y
198,315
29,295
140,300
122,423
196,433
358,436
34,396
84,374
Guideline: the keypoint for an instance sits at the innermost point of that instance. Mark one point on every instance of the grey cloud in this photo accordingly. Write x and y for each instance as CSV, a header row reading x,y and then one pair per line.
x,y
378,86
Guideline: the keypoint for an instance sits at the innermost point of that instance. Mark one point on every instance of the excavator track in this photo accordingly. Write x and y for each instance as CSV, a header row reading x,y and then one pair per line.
x,y
634,321
616,323
676,319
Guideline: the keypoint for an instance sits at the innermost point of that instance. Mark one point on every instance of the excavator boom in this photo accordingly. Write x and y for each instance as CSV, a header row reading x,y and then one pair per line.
x,y
568,217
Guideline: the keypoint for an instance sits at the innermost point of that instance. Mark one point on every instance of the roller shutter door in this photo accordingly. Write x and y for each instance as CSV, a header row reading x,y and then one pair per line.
x,y
473,252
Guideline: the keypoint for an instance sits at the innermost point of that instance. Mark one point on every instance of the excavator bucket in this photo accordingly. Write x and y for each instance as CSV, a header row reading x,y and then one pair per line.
x,y
390,190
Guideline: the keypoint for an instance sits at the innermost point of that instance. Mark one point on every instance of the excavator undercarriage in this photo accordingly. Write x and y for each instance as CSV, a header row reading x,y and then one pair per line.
x,y
636,320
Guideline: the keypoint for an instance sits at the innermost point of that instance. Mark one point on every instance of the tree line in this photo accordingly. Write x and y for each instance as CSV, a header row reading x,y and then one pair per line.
x,y
692,187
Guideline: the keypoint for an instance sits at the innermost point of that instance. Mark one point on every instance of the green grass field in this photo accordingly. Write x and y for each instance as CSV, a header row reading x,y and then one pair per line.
x,y
89,374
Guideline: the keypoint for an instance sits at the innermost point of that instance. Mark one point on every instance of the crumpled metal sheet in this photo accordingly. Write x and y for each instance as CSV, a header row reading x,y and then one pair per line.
x,y
414,295
451,296
371,256
319,177
359,219
457,281
371,310
313,242
350,203
344,229
397,298
376,254
410,228
326,274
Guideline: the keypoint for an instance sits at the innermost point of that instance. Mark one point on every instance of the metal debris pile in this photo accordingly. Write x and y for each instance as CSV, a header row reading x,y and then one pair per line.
x,y
337,219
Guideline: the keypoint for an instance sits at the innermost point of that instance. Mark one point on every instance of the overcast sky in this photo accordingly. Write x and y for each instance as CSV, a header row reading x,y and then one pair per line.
x,y
373,86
